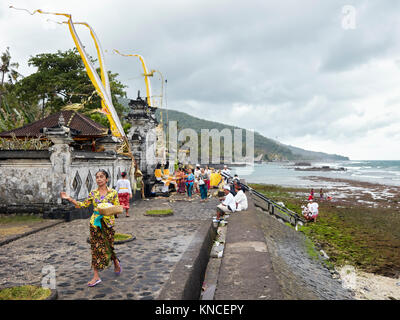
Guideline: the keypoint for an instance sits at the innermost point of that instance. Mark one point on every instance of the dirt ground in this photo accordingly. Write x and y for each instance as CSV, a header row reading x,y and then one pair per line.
x,y
15,228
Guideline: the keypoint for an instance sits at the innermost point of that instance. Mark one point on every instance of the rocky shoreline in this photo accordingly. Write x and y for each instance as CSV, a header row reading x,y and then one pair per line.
x,y
382,199
348,191
323,168
361,223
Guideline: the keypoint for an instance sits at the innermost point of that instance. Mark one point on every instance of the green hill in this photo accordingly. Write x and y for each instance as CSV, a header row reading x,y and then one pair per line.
x,y
270,149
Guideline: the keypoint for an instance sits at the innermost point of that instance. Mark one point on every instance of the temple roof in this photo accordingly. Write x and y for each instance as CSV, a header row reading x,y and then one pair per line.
x,y
85,126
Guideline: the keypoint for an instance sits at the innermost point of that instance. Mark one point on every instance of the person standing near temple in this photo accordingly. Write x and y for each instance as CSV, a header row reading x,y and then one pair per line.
x,y
180,180
225,171
124,190
101,227
196,178
189,183
202,178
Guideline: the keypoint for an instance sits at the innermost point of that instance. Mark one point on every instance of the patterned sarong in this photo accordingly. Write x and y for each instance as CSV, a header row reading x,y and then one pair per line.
x,y
102,246
124,199
181,186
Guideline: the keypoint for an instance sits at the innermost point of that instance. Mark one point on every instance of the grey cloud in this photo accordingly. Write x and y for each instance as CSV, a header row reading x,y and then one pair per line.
x,y
290,62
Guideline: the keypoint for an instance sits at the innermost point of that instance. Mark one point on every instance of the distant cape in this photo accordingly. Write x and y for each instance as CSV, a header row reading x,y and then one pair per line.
x,y
271,150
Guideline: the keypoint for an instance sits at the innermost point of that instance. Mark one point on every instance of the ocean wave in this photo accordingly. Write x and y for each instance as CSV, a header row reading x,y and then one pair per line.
x,y
353,168
397,173
373,177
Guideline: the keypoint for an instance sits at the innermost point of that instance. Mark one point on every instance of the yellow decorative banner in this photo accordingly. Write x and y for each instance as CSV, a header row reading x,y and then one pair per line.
x,y
102,87
103,70
146,74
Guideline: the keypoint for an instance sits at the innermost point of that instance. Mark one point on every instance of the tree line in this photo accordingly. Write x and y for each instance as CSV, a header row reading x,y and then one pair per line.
x,y
60,80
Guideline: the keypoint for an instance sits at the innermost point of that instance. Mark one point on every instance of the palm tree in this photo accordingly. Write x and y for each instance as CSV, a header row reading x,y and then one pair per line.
x,y
7,68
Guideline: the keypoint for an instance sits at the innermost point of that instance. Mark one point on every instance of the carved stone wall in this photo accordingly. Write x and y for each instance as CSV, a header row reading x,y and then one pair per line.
x,y
25,181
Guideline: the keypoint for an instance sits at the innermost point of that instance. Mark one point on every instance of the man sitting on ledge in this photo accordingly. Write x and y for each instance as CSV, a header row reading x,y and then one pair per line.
x,y
228,204
240,198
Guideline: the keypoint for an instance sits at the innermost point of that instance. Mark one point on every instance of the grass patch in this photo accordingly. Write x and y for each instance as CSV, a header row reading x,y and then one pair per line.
x,y
310,249
27,292
364,237
282,194
122,236
160,212
20,219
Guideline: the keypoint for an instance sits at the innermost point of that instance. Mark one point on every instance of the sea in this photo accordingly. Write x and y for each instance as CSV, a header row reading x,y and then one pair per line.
x,y
284,173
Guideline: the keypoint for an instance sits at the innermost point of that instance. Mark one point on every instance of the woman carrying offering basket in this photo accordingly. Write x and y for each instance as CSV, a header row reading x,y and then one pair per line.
x,y
106,204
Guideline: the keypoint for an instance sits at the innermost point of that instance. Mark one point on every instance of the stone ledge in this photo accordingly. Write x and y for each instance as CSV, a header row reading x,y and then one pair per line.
x,y
185,282
24,154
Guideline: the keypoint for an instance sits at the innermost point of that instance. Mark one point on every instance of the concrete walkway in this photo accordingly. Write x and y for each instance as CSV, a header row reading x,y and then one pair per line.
x,y
246,270
265,259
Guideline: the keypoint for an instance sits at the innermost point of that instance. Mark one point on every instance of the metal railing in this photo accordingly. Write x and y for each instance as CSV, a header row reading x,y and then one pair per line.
x,y
274,208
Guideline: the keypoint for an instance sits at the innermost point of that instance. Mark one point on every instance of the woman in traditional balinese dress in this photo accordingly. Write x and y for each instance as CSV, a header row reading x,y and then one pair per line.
x,y
124,190
101,227
180,181
208,172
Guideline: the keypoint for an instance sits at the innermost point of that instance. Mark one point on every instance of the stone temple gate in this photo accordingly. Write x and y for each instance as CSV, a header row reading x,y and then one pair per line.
x,y
31,180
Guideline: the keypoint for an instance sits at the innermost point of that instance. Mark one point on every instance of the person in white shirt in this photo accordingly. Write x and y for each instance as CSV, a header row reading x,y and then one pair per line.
x,y
226,171
124,190
228,204
240,199
196,173
313,209
236,178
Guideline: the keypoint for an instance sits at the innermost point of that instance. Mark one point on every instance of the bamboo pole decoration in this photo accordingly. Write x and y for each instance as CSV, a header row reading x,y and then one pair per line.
x,y
146,74
102,86
116,127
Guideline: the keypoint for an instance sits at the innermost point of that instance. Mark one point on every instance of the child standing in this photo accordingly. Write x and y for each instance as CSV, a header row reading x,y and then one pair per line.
x,y
124,192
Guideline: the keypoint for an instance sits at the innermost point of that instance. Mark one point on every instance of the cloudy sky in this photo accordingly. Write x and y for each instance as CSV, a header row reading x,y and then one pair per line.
x,y
320,75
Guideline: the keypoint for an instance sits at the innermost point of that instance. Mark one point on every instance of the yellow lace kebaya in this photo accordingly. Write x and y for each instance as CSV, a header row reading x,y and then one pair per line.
x,y
95,199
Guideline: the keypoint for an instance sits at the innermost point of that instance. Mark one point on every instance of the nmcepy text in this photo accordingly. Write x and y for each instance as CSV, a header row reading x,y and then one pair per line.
x,y
221,309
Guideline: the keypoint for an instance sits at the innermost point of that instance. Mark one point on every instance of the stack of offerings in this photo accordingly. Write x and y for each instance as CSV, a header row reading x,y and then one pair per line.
x,y
107,209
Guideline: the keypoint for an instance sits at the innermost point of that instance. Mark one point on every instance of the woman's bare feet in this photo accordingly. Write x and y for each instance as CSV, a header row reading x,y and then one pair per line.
x,y
117,267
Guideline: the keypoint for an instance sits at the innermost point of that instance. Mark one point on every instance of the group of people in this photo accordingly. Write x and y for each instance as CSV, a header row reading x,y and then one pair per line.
x,y
310,211
321,195
200,180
